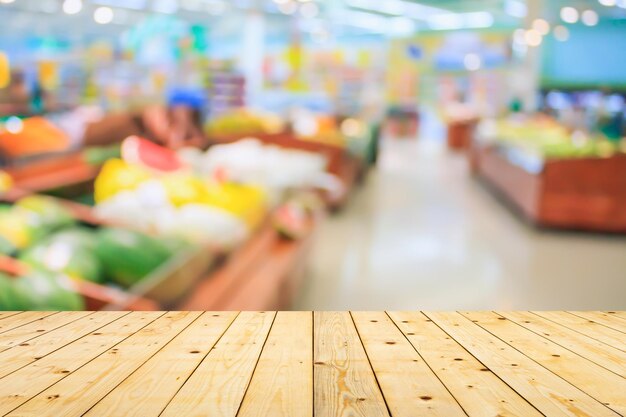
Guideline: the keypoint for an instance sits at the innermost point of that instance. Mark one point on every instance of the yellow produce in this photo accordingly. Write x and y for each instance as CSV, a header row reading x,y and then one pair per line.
x,y
115,176
6,182
184,189
245,202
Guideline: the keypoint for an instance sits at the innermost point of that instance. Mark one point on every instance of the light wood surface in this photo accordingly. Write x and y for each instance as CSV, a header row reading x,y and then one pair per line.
x,y
312,363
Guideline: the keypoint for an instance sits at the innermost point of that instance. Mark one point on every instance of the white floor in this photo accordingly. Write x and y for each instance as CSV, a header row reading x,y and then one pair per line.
x,y
422,234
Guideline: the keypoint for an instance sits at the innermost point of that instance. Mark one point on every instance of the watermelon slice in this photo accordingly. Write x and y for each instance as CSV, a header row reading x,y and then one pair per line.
x,y
136,150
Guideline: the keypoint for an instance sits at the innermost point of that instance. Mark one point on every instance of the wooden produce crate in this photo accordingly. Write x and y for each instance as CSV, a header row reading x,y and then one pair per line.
x,y
460,133
340,163
265,273
578,194
96,296
43,175
164,287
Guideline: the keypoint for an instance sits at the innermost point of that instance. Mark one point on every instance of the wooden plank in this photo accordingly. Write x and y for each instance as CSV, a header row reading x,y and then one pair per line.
x,y
4,314
25,353
21,319
546,391
605,319
409,386
344,382
282,384
78,392
21,385
37,328
580,372
149,389
585,346
618,314
218,385
592,329
478,390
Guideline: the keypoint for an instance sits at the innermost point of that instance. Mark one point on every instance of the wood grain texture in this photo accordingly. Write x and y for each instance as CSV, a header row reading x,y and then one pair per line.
x,y
478,390
4,314
580,372
17,320
37,328
218,385
409,386
618,314
282,384
546,391
345,384
590,328
585,346
148,390
39,375
74,394
305,364
602,318
37,348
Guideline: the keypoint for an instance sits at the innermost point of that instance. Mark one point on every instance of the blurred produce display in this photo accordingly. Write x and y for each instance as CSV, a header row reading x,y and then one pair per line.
x,y
54,251
274,169
546,137
243,121
30,136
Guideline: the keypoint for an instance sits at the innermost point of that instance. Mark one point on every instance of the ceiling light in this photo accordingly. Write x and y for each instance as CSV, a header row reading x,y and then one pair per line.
x,y
103,15
472,62
165,6
607,2
561,33
569,15
542,26
532,37
515,8
6,1
72,6
397,8
451,21
589,18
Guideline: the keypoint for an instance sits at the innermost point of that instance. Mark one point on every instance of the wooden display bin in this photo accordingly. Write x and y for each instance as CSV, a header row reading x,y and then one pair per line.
x,y
265,271
340,163
162,288
460,133
578,194
264,274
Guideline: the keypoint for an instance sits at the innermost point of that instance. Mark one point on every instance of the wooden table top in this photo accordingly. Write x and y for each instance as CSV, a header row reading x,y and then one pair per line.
x,y
312,363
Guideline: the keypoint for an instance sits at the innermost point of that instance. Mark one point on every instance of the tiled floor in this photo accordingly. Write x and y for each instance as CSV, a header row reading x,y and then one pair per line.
x,y
422,234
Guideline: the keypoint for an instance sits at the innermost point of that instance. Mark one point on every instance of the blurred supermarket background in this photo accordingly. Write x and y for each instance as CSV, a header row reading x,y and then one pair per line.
x,y
312,154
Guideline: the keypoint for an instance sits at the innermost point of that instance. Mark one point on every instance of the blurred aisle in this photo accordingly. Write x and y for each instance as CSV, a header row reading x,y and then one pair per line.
x,y
422,234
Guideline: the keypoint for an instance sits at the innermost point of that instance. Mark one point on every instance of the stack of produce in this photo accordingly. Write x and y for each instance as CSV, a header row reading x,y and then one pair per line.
x,y
40,233
547,138
243,122
151,189
276,170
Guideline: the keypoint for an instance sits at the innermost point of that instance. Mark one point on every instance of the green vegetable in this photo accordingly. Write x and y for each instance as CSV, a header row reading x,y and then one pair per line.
x,y
41,290
98,155
71,251
47,211
6,247
128,256
7,294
